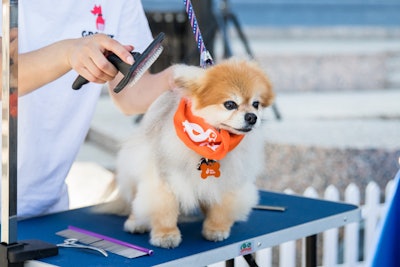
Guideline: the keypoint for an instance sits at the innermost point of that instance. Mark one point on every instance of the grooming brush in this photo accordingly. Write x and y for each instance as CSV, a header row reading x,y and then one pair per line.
x,y
132,73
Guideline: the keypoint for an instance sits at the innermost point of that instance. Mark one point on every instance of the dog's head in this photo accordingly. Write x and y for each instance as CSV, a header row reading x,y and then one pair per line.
x,y
230,95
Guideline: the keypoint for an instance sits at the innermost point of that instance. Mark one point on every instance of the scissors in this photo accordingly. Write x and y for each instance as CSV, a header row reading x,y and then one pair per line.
x,y
73,243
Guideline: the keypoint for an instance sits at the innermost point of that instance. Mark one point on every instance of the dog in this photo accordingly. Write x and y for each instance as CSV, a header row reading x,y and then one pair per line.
x,y
196,148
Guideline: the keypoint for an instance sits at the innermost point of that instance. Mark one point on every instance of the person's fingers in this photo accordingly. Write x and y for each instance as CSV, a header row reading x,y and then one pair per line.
x,y
99,66
115,47
89,57
93,74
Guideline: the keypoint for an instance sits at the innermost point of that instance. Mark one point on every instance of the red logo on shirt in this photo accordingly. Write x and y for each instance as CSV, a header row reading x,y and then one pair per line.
x,y
100,22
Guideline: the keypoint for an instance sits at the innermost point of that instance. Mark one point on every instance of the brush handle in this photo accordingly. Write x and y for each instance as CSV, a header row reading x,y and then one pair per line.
x,y
79,81
115,60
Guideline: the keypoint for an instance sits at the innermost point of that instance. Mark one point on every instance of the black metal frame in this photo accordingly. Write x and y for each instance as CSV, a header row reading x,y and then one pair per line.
x,y
12,252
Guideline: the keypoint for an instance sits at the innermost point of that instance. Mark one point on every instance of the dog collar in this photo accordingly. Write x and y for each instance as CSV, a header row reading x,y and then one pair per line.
x,y
201,137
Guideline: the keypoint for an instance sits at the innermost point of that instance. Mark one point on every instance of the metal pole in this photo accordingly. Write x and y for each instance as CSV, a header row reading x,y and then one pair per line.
x,y
311,251
9,121
12,253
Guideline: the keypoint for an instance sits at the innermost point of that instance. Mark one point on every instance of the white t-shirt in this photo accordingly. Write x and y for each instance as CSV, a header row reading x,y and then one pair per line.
x,y
54,120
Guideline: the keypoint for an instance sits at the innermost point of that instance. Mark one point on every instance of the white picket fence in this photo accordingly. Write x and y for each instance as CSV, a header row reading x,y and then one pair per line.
x,y
344,246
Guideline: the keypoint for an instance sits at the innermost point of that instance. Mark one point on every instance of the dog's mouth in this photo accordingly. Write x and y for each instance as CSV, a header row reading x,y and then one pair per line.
x,y
245,130
237,130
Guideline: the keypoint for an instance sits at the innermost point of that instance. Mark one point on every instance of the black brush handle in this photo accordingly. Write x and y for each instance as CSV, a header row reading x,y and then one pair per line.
x,y
115,60
79,81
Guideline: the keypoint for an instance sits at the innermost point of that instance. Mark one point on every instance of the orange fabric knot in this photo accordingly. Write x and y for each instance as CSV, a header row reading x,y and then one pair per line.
x,y
202,137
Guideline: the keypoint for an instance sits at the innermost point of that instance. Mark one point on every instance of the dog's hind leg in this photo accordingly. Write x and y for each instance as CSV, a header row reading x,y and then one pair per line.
x,y
156,209
132,225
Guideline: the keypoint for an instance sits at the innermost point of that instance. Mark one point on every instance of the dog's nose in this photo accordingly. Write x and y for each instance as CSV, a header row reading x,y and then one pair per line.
x,y
250,118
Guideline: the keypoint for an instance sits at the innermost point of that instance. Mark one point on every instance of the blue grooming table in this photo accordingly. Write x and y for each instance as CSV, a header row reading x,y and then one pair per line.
x,y
304,217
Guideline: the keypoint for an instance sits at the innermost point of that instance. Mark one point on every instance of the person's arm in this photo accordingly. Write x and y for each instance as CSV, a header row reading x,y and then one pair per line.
x,y
85,55
136,99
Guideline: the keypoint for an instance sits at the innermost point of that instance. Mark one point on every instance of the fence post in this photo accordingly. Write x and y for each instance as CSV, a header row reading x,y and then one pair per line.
x,y
330,237
389,191
351,231
371,215
287,254
217,264
240,262
311,192
287,250
264,257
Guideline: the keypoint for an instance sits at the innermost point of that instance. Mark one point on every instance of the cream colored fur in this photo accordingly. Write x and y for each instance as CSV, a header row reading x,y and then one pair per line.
x,y
158,176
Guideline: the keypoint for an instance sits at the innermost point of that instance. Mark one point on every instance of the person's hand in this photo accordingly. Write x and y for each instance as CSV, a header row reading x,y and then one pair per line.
x,y
87,56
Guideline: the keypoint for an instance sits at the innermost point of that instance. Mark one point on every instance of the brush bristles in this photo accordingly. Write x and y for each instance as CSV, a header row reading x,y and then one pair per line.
x,y
138,73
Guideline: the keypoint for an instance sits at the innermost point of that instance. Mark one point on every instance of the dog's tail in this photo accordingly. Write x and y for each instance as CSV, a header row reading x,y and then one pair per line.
x,y
118,206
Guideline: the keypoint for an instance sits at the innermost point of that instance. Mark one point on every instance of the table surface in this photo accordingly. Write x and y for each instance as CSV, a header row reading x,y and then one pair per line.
x,y
303,217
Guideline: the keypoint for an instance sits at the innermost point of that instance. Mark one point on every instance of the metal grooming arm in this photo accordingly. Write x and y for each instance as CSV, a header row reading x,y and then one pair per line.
x,y
13,253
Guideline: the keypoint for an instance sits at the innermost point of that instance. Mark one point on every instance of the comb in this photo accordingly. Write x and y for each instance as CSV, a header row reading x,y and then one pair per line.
x,y
110,244
132,73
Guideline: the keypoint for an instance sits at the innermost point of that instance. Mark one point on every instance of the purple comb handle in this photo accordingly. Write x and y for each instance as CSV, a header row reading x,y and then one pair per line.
x,y
115,241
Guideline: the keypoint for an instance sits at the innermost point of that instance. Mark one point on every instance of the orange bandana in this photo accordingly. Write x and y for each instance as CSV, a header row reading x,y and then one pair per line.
x,y
202,137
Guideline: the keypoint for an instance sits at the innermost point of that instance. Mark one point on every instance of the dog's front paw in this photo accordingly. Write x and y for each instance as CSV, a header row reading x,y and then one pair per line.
x,y
215,234
166,239
132,226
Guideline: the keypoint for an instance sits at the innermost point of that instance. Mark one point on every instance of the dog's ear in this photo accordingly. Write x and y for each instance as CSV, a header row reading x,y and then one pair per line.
x,y
268,95
187,77
268,98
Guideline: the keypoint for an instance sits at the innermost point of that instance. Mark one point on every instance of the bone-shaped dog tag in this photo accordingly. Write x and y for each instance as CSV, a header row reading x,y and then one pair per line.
x,y
209,168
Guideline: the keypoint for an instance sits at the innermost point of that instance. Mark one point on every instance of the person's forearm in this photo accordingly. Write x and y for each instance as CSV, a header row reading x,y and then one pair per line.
x,y
85,55
137,99
42,66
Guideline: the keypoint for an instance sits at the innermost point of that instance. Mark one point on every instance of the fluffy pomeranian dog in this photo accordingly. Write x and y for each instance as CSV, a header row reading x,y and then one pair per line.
x,y
197,147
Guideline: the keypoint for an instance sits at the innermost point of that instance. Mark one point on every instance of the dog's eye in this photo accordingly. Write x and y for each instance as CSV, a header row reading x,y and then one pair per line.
x,y
229,105
256,104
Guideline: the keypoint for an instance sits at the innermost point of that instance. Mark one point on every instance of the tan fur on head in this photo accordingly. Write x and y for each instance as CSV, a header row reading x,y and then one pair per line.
x,y
241,83
209,86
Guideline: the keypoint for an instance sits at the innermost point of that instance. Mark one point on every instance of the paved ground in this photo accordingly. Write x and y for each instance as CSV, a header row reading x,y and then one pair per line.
x,y
362,119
